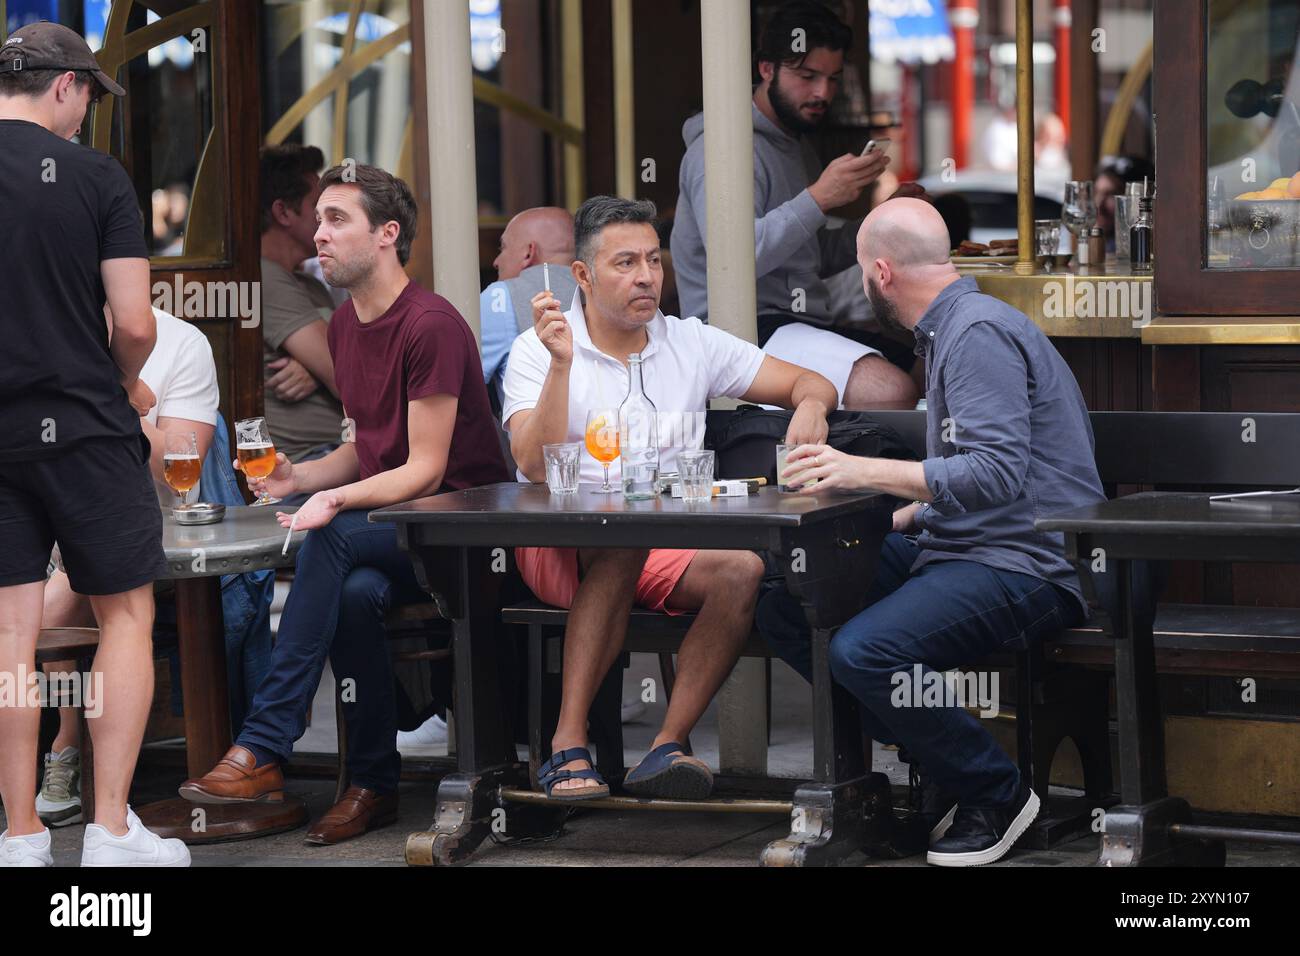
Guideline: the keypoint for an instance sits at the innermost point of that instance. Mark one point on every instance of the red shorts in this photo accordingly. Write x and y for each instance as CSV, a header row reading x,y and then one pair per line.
x,y
552,574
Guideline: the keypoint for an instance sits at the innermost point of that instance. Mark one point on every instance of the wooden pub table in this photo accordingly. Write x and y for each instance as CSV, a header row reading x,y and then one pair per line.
x,y
246,539
827,545
1149,827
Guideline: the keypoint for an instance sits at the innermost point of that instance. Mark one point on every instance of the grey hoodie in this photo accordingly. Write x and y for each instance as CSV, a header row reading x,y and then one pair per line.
x,y
793,250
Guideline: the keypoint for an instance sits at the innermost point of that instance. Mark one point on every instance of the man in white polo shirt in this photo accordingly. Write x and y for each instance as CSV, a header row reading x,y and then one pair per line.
x,y
574,361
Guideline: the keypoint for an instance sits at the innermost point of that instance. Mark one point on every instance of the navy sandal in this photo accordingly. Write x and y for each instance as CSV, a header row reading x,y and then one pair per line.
x,y
676,777
549,774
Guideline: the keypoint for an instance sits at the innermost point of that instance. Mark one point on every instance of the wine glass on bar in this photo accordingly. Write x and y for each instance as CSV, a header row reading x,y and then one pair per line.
x,y
602,440
256,453
181,464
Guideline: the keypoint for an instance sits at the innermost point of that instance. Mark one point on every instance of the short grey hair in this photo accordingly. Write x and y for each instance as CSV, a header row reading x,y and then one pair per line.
x,y
601,211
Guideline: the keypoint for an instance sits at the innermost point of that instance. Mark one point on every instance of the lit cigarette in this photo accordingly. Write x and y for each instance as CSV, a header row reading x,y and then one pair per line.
x,y
288,537
546,276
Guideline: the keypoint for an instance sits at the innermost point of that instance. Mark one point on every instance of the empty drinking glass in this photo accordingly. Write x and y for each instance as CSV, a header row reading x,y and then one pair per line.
x,y
781,452
696,467
1047,237
1126,211
562,461
1079,213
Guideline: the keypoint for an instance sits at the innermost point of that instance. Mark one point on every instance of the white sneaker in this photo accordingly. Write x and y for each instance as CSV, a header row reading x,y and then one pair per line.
x,y
140,847
59,802
33,849
431,733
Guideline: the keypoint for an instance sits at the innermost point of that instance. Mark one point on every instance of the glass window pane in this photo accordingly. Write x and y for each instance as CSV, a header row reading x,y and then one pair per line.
x,y
1253,135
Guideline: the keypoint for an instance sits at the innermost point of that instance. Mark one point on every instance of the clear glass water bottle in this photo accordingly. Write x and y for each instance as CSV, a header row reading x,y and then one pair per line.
x,y
638,433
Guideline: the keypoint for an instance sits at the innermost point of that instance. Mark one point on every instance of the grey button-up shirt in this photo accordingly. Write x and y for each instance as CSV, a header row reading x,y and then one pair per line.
x,y
1007,438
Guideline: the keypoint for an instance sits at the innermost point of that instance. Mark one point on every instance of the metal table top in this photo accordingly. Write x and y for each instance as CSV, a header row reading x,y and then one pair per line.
x,y
246,539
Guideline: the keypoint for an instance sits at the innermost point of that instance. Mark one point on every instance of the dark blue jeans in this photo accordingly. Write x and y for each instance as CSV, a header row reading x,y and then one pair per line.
x,y
347,576
948,614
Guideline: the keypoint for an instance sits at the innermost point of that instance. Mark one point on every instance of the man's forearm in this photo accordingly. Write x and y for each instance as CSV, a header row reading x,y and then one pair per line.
x,y
336,469
130,353
547,425
813,387
415,479
905,479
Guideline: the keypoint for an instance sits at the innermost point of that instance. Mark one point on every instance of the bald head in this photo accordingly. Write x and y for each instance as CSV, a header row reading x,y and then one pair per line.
x,y
541,234
905,233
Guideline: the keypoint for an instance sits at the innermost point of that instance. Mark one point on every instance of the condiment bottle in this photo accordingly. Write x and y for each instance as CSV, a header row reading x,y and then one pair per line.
x,y
1096,247
1141,238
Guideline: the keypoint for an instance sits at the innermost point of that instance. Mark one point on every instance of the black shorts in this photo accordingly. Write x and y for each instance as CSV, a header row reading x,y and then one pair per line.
x,y
97,500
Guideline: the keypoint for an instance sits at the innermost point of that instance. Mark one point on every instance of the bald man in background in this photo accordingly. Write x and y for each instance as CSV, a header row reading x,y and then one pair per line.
x,y
1008,440
538,236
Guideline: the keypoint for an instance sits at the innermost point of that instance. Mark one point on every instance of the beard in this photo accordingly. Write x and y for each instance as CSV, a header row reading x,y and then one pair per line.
x,y
787,111
885,311
347,275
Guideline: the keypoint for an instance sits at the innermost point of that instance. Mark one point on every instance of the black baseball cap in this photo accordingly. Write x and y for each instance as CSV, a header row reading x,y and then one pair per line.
x,y
52,46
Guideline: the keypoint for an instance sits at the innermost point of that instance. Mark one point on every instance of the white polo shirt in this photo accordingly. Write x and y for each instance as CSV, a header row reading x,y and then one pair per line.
x,y
685,363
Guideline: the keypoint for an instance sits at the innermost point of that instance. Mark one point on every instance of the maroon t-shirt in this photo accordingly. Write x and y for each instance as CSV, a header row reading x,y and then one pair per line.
x,y
419,347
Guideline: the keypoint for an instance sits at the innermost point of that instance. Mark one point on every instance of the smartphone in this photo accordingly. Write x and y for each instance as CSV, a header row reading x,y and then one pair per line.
x,y
880,144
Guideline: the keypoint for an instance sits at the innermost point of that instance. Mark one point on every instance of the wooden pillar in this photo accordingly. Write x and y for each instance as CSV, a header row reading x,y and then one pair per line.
x,y
1084,78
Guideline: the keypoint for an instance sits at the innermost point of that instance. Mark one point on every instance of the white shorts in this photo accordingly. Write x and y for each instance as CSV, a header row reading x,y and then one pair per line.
x,y
819,350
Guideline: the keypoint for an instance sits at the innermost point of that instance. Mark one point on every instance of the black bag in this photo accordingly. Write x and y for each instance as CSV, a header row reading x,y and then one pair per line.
x,y
744,441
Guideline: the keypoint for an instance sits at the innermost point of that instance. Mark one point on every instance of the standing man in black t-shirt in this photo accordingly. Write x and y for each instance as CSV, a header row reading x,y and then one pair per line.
x,y
74,465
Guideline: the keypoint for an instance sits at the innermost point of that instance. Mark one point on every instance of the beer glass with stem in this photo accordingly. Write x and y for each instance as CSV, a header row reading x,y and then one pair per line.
x,y
256,453
181,464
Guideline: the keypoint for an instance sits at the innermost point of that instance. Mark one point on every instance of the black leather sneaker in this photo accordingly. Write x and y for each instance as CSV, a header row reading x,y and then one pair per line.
x,y
980,836
930,815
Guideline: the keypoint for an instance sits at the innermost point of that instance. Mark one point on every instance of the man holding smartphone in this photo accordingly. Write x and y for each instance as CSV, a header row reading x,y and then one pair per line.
x,y
800,62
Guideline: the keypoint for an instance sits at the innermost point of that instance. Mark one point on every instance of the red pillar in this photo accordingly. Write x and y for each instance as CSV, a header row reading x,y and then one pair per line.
x,y
1061,19
964,16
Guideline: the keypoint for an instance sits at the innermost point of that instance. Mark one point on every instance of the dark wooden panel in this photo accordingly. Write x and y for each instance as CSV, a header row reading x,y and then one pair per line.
x,y
1114,375
1084,89
1252,379
598,95
665,97
420,267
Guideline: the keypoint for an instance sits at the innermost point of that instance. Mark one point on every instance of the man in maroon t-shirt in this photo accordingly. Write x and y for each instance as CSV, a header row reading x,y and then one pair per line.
x,y
410,378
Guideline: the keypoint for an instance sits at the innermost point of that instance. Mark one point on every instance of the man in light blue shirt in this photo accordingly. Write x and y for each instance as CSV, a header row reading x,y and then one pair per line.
x,y
543,235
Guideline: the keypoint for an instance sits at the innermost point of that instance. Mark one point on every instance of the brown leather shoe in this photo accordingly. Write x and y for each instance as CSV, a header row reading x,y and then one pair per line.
x,y
237,779
360,811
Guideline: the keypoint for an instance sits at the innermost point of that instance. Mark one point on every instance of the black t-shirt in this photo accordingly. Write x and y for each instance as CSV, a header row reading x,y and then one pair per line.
x,y
64,208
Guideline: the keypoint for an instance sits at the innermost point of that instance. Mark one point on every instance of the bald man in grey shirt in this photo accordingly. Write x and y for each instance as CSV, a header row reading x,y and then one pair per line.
x,y
965,574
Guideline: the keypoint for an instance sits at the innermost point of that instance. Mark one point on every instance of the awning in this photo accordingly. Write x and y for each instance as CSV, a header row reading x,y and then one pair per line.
x,y
909,31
